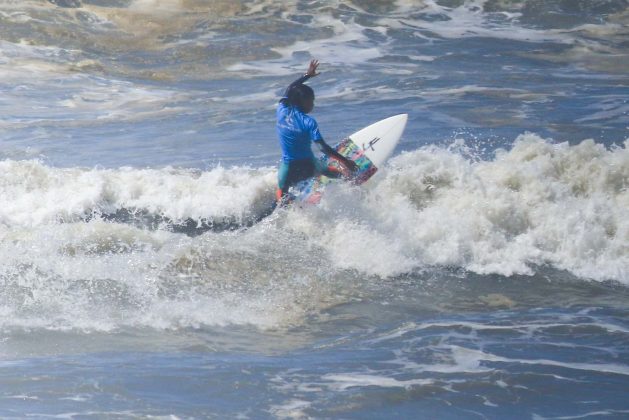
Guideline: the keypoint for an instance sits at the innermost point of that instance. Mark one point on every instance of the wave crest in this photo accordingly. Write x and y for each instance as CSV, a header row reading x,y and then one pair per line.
x,y
537,204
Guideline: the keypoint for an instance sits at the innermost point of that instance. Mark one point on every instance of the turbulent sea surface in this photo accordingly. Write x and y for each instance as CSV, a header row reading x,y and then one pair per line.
x,y
482,273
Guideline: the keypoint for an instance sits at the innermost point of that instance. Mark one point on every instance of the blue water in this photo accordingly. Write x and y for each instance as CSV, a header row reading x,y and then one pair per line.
x,y
482,273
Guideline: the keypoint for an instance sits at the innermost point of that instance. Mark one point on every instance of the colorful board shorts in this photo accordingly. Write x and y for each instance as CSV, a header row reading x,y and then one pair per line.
x,y
294,171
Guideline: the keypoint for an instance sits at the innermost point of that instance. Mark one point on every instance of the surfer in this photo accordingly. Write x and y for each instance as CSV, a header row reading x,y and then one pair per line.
x,y
296,130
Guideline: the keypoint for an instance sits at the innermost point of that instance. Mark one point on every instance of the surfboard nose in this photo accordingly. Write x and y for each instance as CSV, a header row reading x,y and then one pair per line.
x,y
397,119
379,139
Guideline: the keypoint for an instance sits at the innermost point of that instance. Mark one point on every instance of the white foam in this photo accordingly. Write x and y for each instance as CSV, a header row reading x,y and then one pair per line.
x,y
537,204
468,20
614,368
584,415
348,46
101,277
453,359
341,382
40,194
157,5
292,409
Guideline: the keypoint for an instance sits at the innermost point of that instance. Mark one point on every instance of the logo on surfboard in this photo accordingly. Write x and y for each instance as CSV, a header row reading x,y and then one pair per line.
x,y
371,143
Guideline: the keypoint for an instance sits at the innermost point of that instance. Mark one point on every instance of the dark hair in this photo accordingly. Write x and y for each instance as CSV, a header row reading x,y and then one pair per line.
x,y
299,94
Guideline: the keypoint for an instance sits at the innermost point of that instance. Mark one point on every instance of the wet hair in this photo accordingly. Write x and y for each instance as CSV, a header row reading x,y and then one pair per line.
x,y
298,95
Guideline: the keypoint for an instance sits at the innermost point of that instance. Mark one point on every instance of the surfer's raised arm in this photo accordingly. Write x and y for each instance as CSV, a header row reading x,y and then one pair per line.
x,y
311,72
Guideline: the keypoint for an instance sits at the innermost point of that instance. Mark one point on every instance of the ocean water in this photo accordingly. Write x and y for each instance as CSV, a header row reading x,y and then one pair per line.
x,y
482,273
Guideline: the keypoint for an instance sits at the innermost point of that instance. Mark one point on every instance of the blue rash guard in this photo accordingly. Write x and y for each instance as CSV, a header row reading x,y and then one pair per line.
x,y
296,132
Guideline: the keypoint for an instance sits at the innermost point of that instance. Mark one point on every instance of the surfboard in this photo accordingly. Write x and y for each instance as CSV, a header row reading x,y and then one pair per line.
x,y
369,147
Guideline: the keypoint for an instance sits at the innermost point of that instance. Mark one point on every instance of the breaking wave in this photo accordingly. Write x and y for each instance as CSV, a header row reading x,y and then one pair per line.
x,y
74,257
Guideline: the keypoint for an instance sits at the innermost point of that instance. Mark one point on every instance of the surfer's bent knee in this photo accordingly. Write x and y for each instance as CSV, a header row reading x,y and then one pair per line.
x,y
292,172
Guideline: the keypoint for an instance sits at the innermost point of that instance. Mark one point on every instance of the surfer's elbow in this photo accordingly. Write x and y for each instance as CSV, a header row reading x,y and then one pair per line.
x,y
323,146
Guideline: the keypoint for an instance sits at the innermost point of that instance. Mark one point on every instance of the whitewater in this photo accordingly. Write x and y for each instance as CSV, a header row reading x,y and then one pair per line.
x,y
483,272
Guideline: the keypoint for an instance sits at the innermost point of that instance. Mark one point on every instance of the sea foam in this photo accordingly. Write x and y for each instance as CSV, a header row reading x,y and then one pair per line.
x,y
68,264
538,204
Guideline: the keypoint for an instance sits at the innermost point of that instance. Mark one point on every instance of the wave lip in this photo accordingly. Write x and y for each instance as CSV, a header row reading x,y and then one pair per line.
x,y
38,194
76,255
538,204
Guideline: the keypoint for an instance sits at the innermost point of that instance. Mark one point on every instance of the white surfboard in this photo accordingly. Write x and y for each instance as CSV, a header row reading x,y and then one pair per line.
x,y
379,139
369,147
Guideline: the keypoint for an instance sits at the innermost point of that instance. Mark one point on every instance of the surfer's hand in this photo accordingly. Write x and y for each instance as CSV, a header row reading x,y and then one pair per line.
x,y
350,165
312,68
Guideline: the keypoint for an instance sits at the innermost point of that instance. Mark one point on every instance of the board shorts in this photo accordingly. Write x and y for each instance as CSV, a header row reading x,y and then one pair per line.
x,y
294,171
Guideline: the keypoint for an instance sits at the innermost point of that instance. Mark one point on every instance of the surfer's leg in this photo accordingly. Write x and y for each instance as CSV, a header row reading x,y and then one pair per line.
x,y
282,181
290,173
